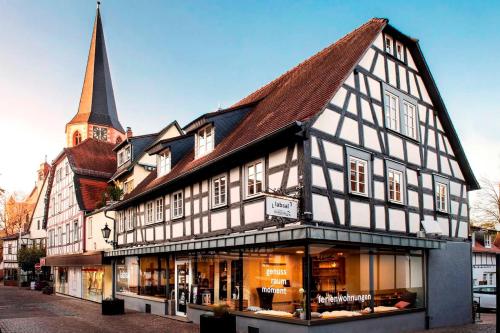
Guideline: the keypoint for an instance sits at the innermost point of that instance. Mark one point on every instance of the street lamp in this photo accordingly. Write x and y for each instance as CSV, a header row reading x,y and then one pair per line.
x,y
106,232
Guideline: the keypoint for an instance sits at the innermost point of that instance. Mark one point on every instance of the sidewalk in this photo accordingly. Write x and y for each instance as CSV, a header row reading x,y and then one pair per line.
x,y
29,311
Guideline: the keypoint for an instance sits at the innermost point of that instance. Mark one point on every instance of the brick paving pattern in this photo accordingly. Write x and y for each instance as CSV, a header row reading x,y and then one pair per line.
x,y
26,311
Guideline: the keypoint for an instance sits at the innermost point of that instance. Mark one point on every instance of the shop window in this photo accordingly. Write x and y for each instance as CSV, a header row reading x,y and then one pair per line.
x,y
398,280
127,275
151,275
272,281
340,281
215,279
92,278
62,280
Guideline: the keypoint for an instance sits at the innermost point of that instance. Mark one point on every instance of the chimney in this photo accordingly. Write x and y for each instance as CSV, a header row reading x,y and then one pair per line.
x,y
129,132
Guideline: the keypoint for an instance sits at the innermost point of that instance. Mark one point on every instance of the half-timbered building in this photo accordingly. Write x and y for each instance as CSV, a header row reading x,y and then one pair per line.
x,y
334,193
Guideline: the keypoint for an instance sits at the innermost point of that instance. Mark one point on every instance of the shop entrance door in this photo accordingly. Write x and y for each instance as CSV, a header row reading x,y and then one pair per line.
x,y
181,287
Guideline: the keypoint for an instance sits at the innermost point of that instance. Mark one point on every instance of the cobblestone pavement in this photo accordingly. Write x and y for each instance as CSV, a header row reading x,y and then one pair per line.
x,y
26,311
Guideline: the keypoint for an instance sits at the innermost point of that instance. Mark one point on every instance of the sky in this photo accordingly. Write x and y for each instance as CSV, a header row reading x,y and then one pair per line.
x,y
178,59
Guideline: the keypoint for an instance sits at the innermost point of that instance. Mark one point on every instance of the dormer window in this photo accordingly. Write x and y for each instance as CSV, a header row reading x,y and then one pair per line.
x,y
204,141
388,44
399,51
163,163
124,155
487,241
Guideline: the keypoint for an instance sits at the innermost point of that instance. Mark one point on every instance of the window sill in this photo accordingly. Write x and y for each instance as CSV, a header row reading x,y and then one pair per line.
x,y
220,207
359,195
176,218
312,322
254,197
149,298
401,135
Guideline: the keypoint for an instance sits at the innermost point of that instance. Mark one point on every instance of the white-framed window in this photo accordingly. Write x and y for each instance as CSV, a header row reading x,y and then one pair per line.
x,y
76,234
68,234
149,212
163,163
441,197
177,204
61,236
89,228
124,155
254,175
122,220
388,44
219,191
395,180
400,112
410,120
159,210
130,219
9,249
487,240
358,169
392,111
71,200
400,51
204,141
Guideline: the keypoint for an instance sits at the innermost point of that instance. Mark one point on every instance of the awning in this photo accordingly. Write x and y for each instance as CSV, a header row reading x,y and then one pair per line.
x,y
283,235
82,259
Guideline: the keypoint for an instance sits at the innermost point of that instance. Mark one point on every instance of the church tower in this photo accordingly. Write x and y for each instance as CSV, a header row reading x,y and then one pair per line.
x,y
96,117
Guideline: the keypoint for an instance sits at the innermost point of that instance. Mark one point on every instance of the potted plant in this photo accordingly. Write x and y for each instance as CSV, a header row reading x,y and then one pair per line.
x,y
302,312
113,306
218,321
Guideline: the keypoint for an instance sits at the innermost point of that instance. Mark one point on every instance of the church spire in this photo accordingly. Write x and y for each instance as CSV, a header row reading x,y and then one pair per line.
x,y
97,102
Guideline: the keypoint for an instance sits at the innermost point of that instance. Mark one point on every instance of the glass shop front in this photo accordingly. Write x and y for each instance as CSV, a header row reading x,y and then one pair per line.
x,y
315,282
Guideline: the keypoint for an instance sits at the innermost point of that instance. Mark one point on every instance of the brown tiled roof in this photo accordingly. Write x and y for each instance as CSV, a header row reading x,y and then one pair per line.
x,y
91,191
297,95
92,158
93,163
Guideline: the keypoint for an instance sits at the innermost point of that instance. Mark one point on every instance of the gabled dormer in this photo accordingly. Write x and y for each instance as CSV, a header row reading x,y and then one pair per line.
x,y
170,151
211,128
124,155
204,141
163,162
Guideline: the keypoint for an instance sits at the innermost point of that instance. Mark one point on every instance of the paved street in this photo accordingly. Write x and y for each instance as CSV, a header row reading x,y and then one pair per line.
x,y
26,311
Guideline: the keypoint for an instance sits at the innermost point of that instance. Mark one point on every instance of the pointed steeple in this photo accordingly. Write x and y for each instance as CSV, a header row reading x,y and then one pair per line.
x,y
97,101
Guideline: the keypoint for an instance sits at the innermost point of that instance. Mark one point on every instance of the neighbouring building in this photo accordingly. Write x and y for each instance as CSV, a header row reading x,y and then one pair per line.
x,y
21,215
78,191
336,192
485,247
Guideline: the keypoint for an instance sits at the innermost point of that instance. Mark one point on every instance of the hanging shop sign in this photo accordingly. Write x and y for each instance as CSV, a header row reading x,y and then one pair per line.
x,y
281,206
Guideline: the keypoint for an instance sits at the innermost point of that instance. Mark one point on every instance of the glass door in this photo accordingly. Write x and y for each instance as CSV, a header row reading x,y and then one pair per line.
x,y
181,287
